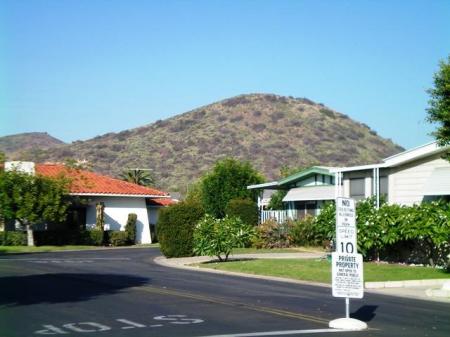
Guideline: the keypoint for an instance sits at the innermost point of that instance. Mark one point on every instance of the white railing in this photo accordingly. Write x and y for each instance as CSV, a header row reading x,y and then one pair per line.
x,y
279,216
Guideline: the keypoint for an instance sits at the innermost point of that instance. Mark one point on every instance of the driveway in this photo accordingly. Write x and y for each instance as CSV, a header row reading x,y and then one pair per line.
x,y
124,293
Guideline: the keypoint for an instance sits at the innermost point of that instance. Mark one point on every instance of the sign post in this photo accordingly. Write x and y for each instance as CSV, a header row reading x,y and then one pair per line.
x,y
347,264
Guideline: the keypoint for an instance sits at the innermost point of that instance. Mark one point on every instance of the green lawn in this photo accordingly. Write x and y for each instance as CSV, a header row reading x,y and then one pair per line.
x,y
320,270
277,250
42,249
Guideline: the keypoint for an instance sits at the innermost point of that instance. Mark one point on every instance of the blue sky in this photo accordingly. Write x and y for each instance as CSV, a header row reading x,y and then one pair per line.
x,y
77,69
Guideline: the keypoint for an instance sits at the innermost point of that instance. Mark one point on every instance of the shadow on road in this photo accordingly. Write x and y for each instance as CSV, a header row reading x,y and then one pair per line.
x,y
62,287
365,313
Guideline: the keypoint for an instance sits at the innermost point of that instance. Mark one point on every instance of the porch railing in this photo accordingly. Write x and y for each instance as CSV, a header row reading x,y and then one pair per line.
x,y
279,216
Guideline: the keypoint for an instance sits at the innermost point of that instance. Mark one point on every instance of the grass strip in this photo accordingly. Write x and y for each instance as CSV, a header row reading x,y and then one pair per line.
x,y
320,270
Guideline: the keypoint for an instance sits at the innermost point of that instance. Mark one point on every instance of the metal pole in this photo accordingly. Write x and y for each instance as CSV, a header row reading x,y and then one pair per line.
x,y
347,307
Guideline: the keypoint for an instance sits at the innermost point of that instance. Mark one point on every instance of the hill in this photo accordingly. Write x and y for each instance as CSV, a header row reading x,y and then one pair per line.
x,y
265,129
24,145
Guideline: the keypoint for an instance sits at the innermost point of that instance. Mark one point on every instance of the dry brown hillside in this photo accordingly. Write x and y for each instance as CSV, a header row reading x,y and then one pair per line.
x,y
267,130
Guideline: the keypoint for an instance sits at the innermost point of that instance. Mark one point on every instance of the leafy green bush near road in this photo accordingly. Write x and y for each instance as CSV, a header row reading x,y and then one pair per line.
x,y
245,209
69,237
119,238
130,228
175,228
418,233
13,238
218,237
270,234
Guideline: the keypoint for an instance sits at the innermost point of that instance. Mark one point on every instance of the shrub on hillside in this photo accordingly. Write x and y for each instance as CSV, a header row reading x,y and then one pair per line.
x,y
217,237
175,228
130,228
245,209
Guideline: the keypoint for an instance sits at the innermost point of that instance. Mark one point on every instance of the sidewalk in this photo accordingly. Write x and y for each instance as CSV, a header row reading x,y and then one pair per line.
x,y
409,289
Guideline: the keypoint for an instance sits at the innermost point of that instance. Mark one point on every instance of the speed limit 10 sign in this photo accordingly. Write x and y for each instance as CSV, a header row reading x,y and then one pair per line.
x,y
345,226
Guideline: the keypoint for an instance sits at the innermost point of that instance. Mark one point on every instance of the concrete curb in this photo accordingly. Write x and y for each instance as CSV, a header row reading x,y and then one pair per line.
x,y
405,284
390,288
162,261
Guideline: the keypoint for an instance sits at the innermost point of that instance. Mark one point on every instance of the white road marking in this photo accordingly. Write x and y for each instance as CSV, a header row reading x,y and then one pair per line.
x,y
279,333
71,259
131,325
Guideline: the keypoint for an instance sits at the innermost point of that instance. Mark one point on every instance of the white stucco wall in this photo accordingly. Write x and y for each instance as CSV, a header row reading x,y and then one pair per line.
x,y
116,215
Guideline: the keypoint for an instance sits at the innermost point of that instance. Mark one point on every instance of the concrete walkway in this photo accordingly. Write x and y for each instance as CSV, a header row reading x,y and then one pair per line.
x,y
419,289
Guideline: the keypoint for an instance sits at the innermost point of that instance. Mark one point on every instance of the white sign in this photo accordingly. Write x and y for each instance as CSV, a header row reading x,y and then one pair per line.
x,y
345,226
347,273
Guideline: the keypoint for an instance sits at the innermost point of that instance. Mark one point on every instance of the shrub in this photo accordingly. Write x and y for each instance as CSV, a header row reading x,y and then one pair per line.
x,y
217,237
69,237
175,228
227,180
245,209
93,237
130,228
271,234
118,238
303,233
13,238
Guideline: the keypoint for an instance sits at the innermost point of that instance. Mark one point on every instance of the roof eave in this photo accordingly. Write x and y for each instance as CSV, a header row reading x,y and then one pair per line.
x,y
88,194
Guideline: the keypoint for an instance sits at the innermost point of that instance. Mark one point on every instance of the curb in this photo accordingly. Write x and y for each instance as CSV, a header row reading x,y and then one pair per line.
x,y
434,295
405,284
162,261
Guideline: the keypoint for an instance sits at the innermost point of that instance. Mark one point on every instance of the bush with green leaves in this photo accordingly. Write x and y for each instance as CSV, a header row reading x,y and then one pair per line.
x,y
245,209
118,238
218,237
303,233
130,228
228,180
13,238
271,234
175,228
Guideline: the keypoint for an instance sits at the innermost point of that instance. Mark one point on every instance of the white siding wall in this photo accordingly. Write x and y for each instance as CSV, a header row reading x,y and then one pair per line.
x,y
407,182
116,215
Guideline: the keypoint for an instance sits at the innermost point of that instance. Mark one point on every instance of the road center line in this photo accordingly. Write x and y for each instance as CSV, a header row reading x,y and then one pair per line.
x,y
273,311
280,333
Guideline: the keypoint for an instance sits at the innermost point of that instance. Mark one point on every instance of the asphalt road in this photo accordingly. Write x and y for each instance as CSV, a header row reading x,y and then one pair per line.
x,y
124,293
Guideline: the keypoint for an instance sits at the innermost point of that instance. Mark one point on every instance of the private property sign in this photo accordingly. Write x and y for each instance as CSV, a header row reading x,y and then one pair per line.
x,y
347,273
347,265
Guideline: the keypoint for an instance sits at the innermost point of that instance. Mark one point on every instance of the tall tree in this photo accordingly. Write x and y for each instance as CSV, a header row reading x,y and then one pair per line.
x,y
32,199
439,104
228,180
138,176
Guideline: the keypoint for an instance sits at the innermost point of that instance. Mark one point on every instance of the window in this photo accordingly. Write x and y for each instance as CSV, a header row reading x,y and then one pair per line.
x,y
357,190
384,187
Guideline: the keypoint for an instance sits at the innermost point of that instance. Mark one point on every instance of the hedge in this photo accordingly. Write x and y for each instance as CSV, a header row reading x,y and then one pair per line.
x,y
245,209
13,238
175,228
418,233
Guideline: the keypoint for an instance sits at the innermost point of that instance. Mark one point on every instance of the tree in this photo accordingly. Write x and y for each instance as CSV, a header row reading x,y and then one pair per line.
x,y
217,237
138,176
228,180
2,157
439,104
32,199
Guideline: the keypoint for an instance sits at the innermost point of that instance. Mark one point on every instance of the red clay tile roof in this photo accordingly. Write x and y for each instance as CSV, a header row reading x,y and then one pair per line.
x,y
162,202
86,182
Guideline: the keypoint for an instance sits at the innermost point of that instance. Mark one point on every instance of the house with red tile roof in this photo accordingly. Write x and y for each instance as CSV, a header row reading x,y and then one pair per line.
x,y
118,197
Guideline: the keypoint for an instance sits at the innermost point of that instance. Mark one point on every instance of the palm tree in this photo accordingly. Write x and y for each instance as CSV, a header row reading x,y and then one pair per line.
x,y
141,177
